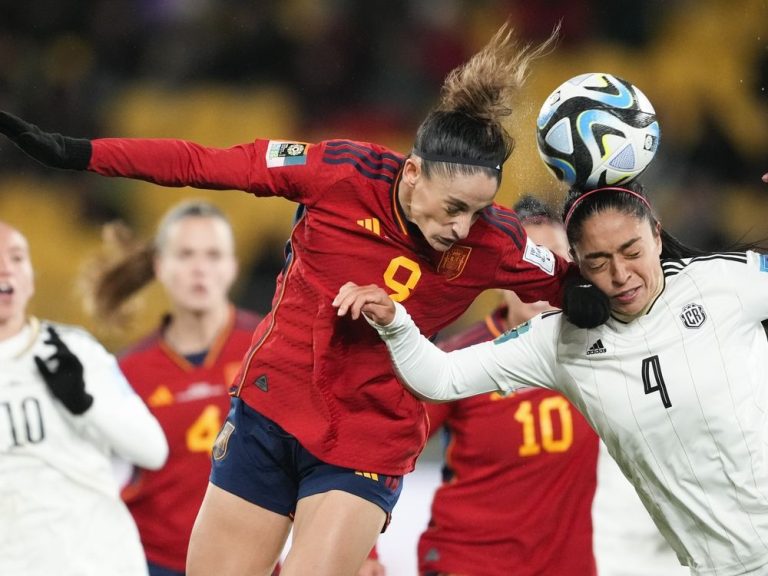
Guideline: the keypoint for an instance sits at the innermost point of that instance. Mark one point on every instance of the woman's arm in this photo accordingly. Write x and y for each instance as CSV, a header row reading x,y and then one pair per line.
x,y
117,416
426,370
167,162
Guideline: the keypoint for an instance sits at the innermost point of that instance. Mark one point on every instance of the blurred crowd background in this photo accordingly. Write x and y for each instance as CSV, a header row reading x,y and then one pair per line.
x,y
223,72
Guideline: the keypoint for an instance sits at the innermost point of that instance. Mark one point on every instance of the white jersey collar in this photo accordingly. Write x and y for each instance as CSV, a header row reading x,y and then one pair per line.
x,y
20,343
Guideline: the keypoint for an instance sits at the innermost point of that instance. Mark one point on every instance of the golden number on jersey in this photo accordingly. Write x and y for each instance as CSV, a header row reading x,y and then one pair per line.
x,y
203,431
401,276
525,415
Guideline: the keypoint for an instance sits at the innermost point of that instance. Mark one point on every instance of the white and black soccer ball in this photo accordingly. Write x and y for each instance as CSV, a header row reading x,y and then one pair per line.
x,y
597,130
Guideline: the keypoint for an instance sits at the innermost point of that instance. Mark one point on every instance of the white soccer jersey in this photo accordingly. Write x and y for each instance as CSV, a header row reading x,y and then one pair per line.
x,y
60,508
679,396
626,541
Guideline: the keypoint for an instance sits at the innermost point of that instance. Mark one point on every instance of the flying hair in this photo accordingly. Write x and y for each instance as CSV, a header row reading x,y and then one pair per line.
x,y
486,85
464,132
110,279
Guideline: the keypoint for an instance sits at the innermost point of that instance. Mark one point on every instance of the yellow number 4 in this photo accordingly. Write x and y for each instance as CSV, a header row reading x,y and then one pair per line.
x,y
202,434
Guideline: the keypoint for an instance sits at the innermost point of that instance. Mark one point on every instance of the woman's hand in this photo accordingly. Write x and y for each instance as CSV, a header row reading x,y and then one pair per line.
x,y
371,300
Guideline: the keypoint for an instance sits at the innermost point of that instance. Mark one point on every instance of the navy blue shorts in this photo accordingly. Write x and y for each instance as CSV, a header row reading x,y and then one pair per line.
x,y
258,461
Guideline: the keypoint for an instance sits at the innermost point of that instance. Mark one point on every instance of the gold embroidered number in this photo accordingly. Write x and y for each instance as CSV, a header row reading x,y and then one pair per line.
x,y
402,289
548,406
202,434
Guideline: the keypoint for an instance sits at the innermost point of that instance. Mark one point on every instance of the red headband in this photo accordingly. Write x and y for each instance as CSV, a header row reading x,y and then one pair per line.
x,y
595,191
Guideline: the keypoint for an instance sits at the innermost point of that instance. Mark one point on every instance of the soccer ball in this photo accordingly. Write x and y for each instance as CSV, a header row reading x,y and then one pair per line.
x,y
597,130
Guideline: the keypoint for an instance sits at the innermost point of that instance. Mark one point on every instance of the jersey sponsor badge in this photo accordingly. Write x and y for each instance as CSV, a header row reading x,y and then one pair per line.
x,y
539,256
286,154
453,261
693,315
222,441
763,262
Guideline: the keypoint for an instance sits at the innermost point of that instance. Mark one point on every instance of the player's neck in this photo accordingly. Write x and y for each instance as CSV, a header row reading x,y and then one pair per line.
x,y
191,332
404,193
11,326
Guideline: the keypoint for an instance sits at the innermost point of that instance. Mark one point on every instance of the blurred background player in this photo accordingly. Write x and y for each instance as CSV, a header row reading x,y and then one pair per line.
x,y
183,369
65,411
519,471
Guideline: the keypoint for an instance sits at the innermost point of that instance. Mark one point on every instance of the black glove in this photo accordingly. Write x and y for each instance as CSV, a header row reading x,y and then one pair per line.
x,y
47,148
584,305
66,380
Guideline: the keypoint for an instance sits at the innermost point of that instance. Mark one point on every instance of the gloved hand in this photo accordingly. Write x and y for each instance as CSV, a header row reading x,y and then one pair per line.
x,y
584,305
47,148
65,379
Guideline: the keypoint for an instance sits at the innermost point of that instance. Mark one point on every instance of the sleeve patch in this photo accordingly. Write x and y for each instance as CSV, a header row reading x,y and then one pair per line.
x,y
514,333
286,154
540,257
763,262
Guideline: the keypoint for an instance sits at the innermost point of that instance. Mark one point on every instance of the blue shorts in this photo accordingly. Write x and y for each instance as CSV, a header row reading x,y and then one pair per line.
x,y
258,461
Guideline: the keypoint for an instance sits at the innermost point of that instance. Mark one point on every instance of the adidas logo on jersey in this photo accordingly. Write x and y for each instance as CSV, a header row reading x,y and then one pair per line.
x,y
596,348
371,224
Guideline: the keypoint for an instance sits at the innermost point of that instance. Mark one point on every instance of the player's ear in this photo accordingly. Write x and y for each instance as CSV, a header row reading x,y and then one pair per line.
x,y
412,170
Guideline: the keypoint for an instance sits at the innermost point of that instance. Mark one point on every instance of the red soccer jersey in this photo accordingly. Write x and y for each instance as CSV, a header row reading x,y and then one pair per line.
x,y
520,475
191,403
328,380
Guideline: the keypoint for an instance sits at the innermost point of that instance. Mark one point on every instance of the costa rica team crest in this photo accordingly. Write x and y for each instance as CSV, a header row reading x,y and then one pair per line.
x,y
693,315
453,261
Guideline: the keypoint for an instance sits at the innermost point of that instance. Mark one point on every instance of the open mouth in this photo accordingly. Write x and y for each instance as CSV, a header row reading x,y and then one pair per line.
x,y
5,288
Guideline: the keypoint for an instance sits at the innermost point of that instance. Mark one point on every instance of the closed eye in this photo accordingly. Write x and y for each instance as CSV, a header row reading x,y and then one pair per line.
x,y
596,265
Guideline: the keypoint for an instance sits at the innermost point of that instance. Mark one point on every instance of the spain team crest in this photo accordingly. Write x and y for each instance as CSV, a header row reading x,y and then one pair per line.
x,y
453,261
222,441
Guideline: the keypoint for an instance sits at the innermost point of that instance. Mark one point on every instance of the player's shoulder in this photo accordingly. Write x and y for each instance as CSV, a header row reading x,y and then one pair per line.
x,y
714,264
147,344
501,224
366,159
546,326
246,320
72,335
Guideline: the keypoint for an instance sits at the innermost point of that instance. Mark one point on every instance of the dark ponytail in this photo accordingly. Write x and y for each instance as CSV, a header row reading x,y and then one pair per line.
x,y
464,133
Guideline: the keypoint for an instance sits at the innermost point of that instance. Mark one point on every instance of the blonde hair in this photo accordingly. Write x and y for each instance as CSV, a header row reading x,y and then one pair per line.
x,y
125,265
464,133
